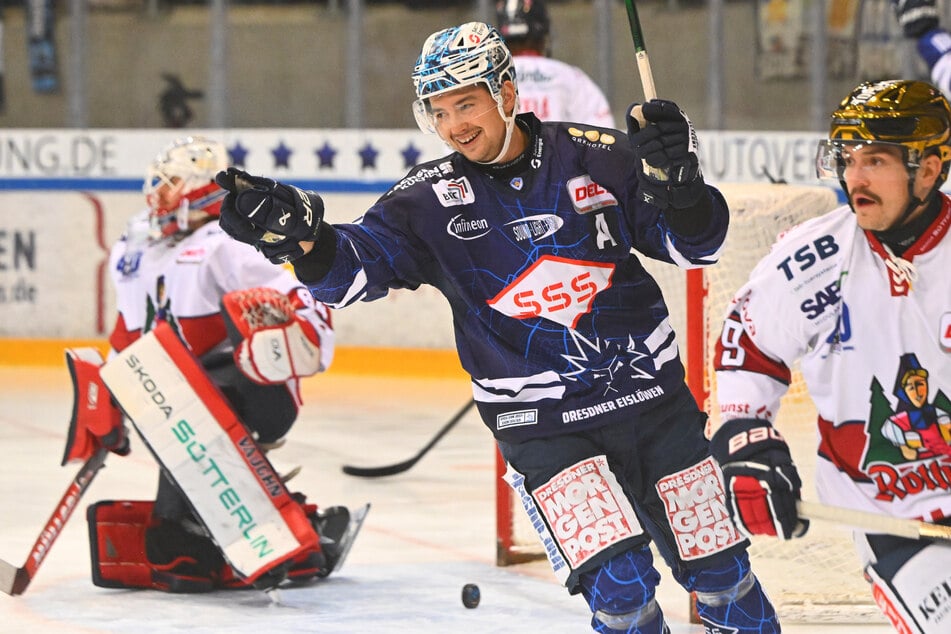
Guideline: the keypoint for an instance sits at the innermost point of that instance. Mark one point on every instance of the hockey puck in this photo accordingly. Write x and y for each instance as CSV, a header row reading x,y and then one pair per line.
x,y
471,595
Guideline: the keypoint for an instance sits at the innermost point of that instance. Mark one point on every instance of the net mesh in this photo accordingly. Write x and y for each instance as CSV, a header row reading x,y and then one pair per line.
x,y
815,579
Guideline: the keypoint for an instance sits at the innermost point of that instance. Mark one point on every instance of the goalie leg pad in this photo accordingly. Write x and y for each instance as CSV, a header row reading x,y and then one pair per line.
x,y
95,421
129,548
911,582
620,593
117,544
205,449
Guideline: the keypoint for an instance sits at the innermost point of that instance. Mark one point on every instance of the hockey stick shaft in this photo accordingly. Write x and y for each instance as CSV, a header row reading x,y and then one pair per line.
x,y
873,522
640,52
406,465
647,79
13,580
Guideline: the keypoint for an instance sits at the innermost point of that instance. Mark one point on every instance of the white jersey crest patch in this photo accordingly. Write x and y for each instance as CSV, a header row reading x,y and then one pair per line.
x,y
587,196
454,192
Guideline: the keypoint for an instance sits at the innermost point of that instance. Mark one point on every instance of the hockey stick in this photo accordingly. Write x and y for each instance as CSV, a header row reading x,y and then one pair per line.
x,y
873,522
640,52
647,79
13,580
400,467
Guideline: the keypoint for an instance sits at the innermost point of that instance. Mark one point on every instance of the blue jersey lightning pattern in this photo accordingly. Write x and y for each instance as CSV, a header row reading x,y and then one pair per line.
x,y
556,320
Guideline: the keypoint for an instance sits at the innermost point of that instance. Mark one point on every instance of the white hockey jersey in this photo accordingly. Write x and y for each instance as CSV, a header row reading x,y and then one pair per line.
x,y
183,283
556,91
873,335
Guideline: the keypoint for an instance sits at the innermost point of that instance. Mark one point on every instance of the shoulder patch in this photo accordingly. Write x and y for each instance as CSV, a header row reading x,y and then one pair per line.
x,y
592,137
453,192
587,196
424,173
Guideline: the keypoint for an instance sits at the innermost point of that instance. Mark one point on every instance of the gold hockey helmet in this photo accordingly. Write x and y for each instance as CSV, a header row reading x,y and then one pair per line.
x,y
912,114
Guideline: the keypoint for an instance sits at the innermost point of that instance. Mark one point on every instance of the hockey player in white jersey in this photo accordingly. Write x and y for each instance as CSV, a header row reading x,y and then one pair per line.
x,y
861,296
175,267
552,89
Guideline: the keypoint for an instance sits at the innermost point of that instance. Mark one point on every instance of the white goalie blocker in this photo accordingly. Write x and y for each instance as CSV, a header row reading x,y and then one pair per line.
x,y
198,439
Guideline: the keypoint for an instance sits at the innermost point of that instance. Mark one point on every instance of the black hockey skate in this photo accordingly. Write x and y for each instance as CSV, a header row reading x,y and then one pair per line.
x,y
338,528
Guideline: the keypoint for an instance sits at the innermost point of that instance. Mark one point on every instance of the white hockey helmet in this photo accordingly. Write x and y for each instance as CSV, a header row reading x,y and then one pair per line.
x,y
465,55
180,185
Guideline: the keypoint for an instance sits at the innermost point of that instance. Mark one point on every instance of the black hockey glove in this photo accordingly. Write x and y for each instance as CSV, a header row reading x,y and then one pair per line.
x,y
762,483
271,216
916,17
666,147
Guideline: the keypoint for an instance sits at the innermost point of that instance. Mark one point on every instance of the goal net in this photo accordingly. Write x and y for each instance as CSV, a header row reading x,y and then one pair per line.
x,y
814,579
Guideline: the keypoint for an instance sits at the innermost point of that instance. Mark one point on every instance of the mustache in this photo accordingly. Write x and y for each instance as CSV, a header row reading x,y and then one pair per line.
x,y
864,193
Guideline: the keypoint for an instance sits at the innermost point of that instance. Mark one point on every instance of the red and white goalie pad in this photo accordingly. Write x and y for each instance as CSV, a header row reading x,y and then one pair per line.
x,y
273,343
117,547
191,429
95,422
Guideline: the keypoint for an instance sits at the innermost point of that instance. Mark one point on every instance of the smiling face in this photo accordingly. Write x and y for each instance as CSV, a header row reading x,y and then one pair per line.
x,y
468,120
877,178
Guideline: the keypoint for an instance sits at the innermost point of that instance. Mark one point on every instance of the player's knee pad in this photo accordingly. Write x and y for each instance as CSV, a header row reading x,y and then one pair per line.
x,y
620,593
730,597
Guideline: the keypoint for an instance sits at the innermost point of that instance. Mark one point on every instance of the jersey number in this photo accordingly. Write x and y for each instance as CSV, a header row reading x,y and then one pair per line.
x,y
733,353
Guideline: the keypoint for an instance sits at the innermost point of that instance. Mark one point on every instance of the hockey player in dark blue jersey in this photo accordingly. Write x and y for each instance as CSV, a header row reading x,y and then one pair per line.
x,y
534,232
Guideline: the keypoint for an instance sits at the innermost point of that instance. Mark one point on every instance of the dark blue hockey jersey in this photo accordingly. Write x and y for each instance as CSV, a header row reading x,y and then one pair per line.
x,y
556,320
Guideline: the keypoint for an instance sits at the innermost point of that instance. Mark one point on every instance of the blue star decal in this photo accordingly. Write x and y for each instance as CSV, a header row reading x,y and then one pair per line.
x,y
282,155
238,154
368,155
325,155
410,156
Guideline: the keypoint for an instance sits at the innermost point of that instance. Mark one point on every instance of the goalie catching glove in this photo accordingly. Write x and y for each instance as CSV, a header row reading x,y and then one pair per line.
x,y
273,344
665,144
762,483
270,216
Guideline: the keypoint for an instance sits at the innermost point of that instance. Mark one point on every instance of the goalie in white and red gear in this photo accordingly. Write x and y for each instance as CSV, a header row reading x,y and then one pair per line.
x,y
860,297
175,266
243,514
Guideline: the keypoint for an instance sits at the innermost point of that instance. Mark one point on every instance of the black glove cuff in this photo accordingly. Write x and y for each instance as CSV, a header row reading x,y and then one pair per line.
x,y
313,266
692,201
745,438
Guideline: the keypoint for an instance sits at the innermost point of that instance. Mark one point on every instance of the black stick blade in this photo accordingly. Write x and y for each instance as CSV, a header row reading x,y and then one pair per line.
x,y
406,465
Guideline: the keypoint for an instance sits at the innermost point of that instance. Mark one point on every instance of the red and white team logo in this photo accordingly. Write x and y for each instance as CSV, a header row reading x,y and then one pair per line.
x,y
587,196
555,288
453,192
586,509
696,509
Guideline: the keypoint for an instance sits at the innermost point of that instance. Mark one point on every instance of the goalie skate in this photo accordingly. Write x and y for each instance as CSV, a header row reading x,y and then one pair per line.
x,y
338,528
